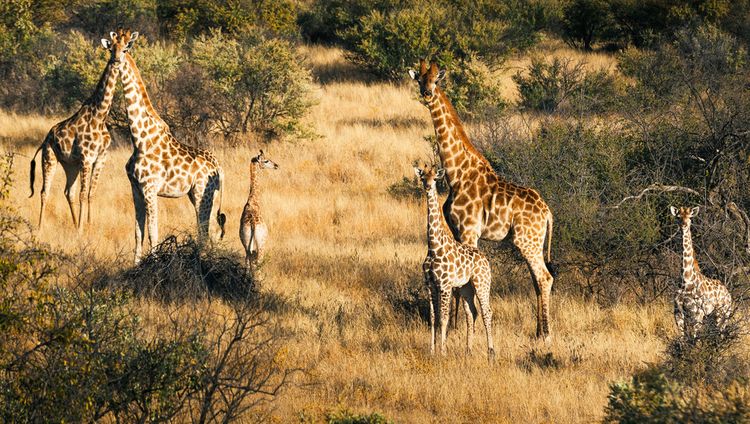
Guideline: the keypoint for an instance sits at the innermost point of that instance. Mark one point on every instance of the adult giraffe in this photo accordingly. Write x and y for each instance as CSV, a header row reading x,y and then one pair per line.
x,y
80,142
480,204
161,166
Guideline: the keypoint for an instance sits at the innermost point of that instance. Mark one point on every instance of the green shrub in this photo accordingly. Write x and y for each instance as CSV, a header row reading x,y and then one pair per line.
x,y
652,397
585,21
256,85
562,84
475,90
344,416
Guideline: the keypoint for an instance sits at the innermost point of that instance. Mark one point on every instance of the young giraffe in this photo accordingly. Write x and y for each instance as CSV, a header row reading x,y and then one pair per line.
x,y
453,265
697,295
162,166
80,142
253,231
480,204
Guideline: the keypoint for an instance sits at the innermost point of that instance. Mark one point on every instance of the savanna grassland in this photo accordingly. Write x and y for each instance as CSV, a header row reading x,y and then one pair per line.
x,y
344,270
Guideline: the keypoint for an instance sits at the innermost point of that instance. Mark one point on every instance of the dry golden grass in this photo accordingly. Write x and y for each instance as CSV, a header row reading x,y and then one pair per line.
x,y
340,247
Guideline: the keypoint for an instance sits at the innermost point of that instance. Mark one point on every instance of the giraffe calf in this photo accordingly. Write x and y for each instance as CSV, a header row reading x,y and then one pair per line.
x,y
697,295
452,265
253,231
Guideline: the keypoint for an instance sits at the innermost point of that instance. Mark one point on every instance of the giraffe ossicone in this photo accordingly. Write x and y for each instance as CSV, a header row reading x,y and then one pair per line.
x,y
480,204
80,142
161,166
697,295
253,231
451,265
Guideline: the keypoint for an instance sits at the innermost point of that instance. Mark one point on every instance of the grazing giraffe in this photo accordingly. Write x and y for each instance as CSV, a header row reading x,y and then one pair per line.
x,y
453,265
80,142
480,204
697,295
161,165
253,231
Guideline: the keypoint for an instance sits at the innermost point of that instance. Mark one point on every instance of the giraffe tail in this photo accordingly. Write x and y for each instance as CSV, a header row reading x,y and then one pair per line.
x,y
32,173
551,267
220,217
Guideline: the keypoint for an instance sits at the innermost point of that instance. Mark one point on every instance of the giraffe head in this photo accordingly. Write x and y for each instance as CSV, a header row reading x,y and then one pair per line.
x,y
429,176
684,214
427,78
262,162
120,42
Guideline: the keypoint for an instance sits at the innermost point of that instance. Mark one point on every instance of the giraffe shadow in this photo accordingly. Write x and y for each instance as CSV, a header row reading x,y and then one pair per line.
x,y
408,299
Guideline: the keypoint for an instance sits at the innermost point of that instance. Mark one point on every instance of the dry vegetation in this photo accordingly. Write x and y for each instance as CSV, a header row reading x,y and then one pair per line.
x,y
344,267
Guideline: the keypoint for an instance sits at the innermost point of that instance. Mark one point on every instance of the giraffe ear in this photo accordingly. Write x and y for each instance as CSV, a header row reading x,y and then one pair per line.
x,y
673,210
413,74
695,211
106,43
134,36
440,75
113,35
417,172
440,173
261,152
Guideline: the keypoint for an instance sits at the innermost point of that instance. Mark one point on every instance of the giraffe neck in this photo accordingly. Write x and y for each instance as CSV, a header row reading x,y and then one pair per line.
x,y
690,270
142,117
438,233
454,146
254,193
105,91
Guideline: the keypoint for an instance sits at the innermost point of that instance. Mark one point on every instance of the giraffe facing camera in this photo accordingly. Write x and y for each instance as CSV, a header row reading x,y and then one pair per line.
x,y
697,295
453,265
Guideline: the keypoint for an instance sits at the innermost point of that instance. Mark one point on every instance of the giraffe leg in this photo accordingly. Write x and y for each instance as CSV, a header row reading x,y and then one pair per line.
x,y
433,300
205,208
95,173
140,218
467,295
445,304
542,280
679,317
483,283
49,166
83,195
152,216
697,322
71,174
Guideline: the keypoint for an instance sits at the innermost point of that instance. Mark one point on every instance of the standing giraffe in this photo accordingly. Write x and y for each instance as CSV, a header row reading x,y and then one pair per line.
x,y
161,165
481,205
80,142
253,231
697,295
453,265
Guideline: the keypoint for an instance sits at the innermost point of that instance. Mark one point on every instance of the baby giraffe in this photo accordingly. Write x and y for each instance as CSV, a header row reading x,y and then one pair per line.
x,y
450,264
253,231
697,295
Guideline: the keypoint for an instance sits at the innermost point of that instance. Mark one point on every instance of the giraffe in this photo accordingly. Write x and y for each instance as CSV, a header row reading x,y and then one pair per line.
x,y
697,295
480,204
253,231
453,265
161,166
80,142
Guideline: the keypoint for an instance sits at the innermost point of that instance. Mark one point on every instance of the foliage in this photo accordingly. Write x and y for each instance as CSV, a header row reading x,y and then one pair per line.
x,y
344,416
652,397
181,19
255,84
564,84
585,20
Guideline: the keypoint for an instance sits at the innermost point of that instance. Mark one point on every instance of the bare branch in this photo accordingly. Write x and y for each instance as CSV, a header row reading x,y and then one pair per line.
x,y
658,188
